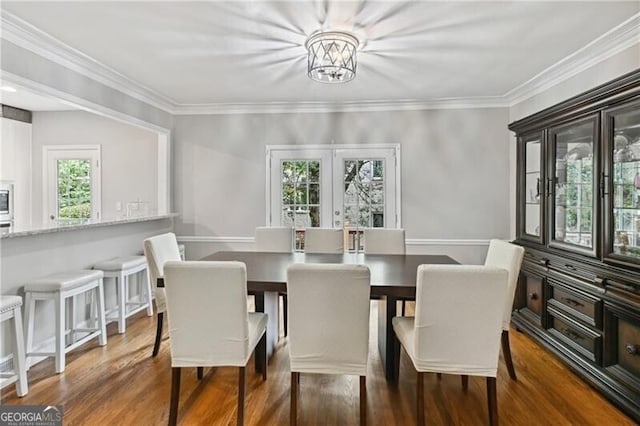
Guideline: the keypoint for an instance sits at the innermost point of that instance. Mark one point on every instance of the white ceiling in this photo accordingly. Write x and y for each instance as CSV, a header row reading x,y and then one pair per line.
x,y
253,52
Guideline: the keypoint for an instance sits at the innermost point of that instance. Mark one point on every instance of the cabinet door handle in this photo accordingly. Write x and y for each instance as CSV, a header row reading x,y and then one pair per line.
x,y
537,187
571,334
533,296
603,185
632,349
570,301
570,267
544,262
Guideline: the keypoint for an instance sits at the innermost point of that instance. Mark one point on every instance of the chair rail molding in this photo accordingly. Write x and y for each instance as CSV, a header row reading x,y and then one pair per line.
x,y
410,241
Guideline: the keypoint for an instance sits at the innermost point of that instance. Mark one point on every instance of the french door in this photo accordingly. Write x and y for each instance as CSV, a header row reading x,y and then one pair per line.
x,y
336,187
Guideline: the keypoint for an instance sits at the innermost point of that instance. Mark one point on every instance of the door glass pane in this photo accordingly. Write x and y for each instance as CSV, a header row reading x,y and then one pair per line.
x,y
364,193
300,193
574,185
74,191
626,184
532,188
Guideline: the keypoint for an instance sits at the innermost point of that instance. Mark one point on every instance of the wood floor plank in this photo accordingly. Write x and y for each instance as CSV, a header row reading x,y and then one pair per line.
x,y
121,384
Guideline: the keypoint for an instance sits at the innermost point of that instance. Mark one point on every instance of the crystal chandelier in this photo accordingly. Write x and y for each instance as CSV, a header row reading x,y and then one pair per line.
x,y
332,57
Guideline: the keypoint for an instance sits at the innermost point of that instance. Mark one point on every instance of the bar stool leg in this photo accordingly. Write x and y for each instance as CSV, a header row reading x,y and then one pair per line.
x,y
122,282
102,340
22,386
60,332
29,310
72,319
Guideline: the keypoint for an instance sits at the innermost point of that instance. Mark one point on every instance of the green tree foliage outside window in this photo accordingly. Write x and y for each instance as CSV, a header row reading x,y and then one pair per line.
x,y
74,191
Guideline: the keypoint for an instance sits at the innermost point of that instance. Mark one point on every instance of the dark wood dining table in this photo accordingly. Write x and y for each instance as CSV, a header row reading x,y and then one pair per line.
x,y
393,277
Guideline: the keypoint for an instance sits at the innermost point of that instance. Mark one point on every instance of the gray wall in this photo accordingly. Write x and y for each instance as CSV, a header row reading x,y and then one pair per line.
x,y
31,66
455,167
129,157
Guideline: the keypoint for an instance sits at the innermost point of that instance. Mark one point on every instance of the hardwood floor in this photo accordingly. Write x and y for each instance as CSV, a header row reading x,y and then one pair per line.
x,y
121,384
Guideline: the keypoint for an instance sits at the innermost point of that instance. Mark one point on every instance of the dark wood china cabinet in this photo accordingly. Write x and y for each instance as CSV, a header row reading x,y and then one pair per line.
x,y
578,218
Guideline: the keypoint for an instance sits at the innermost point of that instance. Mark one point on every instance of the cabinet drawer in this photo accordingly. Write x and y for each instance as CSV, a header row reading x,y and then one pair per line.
x,y
582,340
580,305
629,346
533,292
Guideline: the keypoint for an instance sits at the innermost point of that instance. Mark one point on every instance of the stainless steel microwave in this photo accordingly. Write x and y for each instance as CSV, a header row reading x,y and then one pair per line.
x,y
6,203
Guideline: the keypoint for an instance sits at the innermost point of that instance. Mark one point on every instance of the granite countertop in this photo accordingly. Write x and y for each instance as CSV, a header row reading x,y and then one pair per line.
x,y
10,232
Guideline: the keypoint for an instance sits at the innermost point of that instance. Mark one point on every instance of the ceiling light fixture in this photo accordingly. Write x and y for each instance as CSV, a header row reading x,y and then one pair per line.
x,y
8,89
332,56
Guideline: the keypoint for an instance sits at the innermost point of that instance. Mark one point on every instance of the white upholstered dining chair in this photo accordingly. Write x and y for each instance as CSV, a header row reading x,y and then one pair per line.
x,y
505,255
158,250
277,239
385,241
209,325
323,240
457,326
328,324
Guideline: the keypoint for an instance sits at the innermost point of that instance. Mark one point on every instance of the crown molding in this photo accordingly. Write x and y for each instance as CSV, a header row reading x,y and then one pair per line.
x,y
612,42
349,106
29,37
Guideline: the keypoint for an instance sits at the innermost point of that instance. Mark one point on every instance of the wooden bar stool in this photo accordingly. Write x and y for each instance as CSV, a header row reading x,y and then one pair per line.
x,y
60,287
10,309
120,270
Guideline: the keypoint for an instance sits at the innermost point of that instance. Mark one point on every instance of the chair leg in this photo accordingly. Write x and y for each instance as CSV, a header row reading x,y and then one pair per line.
x,y
492,400
293,410
363,400
420,398
156,345
403,307
261,351
506,351
465,383
242,380
285,314
200,372
175,396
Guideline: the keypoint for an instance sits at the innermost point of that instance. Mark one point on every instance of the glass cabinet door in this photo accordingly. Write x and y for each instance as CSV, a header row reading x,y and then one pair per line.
x,y
531,187
622,169
572,201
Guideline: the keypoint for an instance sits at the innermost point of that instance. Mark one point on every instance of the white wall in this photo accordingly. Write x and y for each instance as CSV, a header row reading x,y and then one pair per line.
x,y
15,167
455,168
129,157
